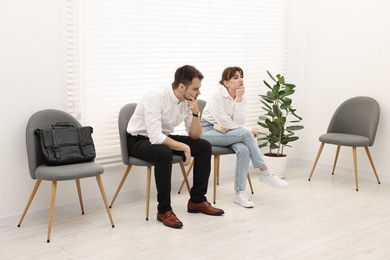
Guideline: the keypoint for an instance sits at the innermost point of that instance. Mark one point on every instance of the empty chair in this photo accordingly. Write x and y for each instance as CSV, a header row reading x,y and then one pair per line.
x,y
125,114
39,171
353,124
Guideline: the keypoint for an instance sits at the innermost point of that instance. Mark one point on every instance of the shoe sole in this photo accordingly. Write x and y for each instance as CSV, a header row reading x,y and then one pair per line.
x,y
248,207
177,227
200,211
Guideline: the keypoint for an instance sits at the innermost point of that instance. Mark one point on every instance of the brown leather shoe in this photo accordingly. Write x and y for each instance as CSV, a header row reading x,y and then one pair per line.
x,y
204,207
169,219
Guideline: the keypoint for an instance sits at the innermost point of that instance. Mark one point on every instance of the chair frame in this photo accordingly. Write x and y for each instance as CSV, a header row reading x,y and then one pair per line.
x,y
126,158
33,165
340,115
354,163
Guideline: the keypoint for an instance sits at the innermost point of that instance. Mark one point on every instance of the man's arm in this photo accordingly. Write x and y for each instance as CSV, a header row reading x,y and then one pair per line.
x,y
195,129
178,146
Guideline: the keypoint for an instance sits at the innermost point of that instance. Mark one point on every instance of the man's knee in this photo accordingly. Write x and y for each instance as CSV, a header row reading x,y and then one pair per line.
x,y
205,146
163,153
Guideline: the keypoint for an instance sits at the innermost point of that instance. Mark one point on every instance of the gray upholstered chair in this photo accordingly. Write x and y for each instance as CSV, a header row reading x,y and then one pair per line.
x,y
353,124
216,151
39,171
125,114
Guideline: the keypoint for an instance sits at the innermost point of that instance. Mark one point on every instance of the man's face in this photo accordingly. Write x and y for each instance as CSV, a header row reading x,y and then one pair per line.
x,y
193,90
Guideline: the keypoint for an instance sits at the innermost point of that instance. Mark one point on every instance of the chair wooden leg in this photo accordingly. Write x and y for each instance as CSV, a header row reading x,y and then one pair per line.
x,y
372,163
34,191
316,160
121,184
80,195
51,213
148,178
250,183
216,173
187,173
355,167
335,159
101,187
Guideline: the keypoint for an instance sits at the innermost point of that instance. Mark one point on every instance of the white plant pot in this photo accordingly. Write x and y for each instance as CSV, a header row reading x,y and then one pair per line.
x,y
277,165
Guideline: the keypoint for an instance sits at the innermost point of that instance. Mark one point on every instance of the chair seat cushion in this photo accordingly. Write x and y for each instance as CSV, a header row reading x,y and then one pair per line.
x,y
221,150
345,139
68,172
138,162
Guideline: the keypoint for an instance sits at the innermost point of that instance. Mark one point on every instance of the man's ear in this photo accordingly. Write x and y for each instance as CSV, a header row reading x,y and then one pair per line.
x,y
182,86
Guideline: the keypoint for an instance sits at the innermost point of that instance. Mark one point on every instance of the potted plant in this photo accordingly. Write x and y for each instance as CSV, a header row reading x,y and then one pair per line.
x,y
276,120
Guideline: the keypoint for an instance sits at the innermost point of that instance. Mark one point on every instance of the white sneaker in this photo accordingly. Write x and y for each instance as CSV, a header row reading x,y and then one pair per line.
x,y
274,181
241,199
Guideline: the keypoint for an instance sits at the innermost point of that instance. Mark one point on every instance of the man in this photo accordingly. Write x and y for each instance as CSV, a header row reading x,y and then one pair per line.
x,y
149,139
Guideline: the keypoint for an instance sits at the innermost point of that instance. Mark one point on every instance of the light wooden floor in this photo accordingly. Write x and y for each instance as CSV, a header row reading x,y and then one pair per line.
x,y
322,219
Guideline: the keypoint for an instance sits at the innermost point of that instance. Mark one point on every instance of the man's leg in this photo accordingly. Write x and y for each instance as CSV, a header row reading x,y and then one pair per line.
x,y
201,151
161,156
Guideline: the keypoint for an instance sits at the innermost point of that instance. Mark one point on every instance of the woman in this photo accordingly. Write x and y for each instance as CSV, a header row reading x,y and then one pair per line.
x,y
223,121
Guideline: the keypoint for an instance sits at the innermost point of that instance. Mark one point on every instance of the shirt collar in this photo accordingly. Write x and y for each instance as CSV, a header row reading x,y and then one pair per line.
x,y
172,96
225,93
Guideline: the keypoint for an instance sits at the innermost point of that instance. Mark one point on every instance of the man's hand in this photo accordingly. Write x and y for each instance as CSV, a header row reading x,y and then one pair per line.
x,y
187,155
192,104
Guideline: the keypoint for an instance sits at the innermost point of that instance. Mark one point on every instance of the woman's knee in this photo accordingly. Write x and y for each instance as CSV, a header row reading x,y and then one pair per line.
x,y
243,151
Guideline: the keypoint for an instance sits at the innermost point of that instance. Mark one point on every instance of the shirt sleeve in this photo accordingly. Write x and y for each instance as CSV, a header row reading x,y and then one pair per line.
x,y
152,115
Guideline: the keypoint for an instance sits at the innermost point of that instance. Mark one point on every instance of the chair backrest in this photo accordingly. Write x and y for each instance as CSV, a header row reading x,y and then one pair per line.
x,y
124,116
201,104
42,119
357,115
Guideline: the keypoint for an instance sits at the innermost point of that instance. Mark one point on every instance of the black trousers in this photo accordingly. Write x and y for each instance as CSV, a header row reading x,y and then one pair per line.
x,y
161,156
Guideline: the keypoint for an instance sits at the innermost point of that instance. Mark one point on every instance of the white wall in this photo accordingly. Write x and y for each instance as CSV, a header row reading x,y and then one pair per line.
x,y
337,49
31,78
347,54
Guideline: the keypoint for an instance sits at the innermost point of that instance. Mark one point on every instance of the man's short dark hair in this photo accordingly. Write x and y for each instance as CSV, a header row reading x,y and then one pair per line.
x,y
185,75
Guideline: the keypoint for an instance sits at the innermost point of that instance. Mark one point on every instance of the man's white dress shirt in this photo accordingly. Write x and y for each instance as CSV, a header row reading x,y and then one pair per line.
x,y
157,114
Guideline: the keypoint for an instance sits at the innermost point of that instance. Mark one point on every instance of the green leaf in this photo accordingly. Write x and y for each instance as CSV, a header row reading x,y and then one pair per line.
x,y
269,74
265,104
295,127
266,83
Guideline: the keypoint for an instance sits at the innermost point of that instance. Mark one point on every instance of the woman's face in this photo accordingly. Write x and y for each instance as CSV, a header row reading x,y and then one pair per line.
x,y
236,82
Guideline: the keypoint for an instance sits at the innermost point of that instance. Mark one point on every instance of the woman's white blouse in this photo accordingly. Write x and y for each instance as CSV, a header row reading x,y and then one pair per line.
x,y
223,110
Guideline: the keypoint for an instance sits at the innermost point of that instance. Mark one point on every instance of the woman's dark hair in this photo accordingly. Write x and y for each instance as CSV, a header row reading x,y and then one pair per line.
x,y
229,73
185,75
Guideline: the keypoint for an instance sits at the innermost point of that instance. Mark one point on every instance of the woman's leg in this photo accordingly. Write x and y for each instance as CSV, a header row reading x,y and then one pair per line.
x,y
238,135
242,165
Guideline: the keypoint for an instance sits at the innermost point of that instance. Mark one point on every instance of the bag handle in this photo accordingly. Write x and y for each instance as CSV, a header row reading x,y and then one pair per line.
x,y
62,124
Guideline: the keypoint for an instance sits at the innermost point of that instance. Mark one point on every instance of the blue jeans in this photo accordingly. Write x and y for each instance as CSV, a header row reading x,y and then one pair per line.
x,y
243,143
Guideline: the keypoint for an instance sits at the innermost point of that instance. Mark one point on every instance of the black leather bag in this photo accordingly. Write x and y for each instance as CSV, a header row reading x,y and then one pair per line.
x,y
65,143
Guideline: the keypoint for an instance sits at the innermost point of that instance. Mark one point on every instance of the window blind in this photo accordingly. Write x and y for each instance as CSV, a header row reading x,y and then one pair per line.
x,y
119,49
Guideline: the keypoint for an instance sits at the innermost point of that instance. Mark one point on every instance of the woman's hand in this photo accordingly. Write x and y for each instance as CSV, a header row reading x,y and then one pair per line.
x,y
255,131
239,94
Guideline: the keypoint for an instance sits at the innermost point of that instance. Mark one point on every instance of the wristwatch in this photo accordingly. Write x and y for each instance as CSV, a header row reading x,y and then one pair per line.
x,y
196,115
